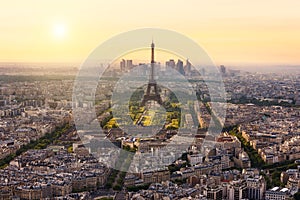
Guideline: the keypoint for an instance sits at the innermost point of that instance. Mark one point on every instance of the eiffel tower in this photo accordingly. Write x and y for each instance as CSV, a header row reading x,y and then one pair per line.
x,y
152,92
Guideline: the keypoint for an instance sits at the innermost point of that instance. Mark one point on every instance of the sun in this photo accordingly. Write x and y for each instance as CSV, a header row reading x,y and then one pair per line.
x,y
59,31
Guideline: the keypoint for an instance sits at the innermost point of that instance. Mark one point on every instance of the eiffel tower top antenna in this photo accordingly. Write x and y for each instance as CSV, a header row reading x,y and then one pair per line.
x,y
152,62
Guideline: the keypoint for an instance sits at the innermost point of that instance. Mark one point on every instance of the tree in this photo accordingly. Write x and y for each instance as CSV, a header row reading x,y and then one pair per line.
x,y
297,196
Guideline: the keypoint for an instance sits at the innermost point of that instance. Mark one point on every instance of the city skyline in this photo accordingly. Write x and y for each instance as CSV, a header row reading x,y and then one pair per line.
x,y
149,100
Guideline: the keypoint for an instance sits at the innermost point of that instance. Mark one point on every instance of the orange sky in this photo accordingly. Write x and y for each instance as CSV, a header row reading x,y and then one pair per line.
x,y
231,31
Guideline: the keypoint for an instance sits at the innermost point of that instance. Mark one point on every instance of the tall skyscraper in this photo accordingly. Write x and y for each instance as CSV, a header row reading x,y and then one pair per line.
x,y
170,63
129,64
223,69
122,65
179,67
126,65
188,68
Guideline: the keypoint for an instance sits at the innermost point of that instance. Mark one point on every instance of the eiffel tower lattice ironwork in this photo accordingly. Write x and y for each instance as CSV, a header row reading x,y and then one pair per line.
x,y
152,92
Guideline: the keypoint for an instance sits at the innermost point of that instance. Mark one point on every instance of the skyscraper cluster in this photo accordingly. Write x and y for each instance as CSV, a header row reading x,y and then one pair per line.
x,y
126,65
182,69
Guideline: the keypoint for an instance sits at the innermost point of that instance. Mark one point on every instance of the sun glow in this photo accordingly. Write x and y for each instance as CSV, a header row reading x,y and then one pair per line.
x,y
59,31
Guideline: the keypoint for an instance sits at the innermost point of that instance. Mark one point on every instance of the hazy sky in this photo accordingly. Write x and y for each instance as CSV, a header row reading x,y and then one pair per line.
x,y
231,31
